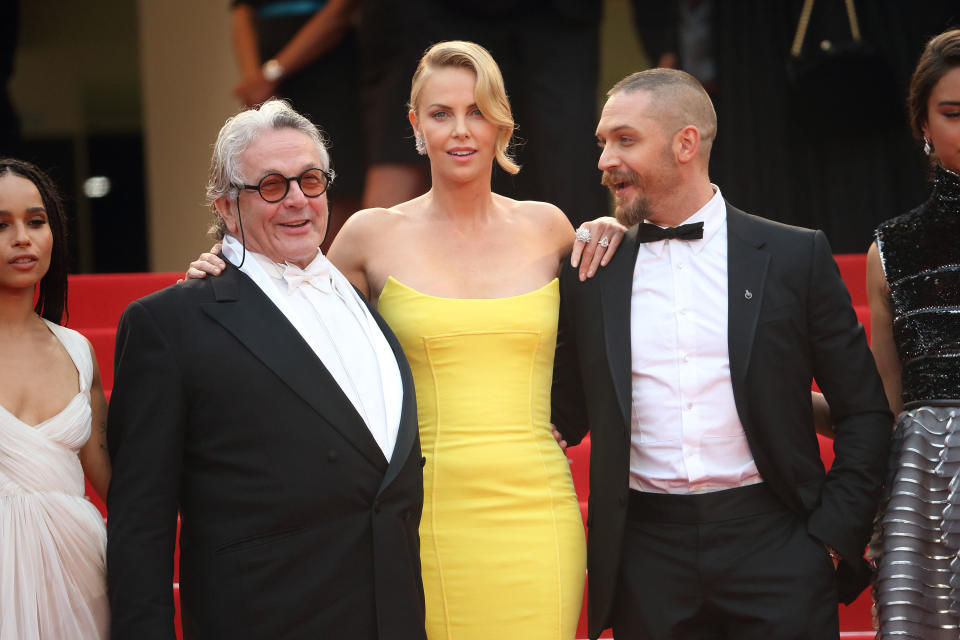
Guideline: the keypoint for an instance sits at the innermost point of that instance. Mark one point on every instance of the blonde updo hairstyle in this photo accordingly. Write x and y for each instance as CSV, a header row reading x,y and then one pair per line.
x,y
489,93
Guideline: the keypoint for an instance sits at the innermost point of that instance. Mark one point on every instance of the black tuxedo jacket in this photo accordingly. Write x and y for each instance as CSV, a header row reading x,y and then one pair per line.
x,y
293,523
790,321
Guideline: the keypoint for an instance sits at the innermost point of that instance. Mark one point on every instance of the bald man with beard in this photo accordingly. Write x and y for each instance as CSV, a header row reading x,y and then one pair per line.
x,y
690,358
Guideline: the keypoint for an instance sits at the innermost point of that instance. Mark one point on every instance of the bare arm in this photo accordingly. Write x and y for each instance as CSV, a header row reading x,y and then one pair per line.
x,y
245,41
93,455
350,248
317,36
821,415
881,330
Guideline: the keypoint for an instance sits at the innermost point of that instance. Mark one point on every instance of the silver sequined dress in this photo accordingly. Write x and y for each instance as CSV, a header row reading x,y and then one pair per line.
x,y
917,586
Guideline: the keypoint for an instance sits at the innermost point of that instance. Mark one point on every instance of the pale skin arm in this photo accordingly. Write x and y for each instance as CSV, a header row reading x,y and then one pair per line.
x,y
94,457
348,252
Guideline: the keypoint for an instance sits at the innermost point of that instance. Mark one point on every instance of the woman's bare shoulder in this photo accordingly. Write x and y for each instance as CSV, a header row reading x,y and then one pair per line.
x,y
365,220
367,225
540,212
545,219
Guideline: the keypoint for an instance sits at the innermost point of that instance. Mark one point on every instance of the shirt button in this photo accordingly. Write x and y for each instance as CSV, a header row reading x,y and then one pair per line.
x,y
683,312
686,358
680,267
688,406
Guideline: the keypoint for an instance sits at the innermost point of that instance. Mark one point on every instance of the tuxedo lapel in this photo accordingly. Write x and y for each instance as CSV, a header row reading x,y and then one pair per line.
x,y
746,275
616,294
247,313
408,431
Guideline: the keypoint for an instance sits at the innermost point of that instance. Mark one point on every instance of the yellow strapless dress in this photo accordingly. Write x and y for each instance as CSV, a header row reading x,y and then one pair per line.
x,y
501,539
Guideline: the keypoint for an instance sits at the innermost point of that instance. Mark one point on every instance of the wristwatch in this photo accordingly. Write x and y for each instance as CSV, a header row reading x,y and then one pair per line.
x,y
272,70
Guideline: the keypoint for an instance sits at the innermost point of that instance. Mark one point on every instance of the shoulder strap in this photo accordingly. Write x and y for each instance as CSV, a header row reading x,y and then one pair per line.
x,y
801,33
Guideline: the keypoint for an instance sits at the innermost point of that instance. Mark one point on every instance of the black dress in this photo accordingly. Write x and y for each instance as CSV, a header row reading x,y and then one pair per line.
x,y
919,528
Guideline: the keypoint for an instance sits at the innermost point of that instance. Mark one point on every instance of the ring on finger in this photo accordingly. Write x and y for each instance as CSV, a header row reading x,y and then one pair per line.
x,y
583,235
604,242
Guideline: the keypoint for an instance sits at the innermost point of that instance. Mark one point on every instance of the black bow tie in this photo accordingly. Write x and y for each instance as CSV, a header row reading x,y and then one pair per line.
x,y
651,233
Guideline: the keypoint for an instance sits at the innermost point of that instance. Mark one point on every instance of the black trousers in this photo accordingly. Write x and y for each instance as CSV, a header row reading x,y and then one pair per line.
x,y
731,565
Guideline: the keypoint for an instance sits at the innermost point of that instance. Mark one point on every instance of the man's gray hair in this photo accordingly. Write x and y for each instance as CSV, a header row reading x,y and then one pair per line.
x,y
237,134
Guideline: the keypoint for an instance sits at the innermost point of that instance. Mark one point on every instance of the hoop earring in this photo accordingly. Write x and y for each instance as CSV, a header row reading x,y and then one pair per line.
x,y
420,145
927,147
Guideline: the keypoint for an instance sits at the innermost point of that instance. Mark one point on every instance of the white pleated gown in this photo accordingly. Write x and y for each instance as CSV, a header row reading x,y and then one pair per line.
x,y
52,539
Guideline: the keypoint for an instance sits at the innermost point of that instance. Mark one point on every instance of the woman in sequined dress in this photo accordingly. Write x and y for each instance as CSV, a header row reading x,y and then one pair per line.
x,y
913,286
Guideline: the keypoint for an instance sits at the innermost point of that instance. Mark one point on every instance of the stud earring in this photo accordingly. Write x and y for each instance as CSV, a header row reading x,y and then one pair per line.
x,y
420,145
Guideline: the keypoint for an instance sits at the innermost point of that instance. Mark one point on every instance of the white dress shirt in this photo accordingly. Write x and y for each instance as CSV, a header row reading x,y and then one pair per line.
x,y
337,325
686,434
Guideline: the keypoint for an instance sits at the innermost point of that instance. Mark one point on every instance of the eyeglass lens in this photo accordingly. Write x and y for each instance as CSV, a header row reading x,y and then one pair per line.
x,y
274,186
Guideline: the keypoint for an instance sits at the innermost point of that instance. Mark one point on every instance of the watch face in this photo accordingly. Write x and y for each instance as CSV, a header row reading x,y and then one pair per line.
x,y
272,70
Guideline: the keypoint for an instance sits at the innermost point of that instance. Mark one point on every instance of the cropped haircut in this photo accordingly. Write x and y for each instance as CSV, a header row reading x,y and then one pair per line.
x,y
52,294
680,97
236,136
941,55
489,92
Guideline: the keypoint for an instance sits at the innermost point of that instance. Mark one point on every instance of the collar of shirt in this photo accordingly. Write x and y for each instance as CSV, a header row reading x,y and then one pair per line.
x,y
713,215
232,251
319,273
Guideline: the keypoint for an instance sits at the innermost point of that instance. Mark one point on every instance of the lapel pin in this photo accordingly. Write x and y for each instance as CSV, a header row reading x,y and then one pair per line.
x,y
747,294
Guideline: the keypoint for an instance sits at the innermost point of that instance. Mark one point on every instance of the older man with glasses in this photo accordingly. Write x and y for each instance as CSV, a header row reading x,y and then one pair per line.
x,y
273,409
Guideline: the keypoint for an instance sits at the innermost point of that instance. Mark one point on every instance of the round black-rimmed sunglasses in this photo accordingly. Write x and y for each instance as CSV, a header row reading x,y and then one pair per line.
x,y
274,187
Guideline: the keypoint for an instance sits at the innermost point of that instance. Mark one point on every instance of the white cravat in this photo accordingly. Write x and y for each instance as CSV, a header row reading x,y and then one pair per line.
x,y
328,313
686,433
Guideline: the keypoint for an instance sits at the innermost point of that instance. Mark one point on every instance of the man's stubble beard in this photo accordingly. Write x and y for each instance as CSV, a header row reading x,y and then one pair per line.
x,y
633,212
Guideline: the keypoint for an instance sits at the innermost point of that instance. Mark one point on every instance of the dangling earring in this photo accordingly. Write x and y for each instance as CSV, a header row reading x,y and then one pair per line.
x,y
420,145
927,147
